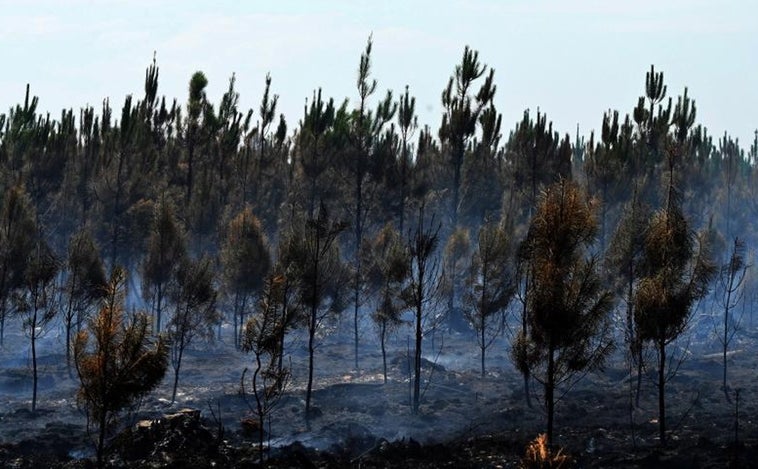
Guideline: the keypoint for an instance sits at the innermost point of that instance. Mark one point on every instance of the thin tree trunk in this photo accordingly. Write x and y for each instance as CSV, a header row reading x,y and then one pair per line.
x,y
283,332
661,392
382,337
259,405
358,242
524,326
101,440
639,375
34,363
311,350
457,185
483,345
69,318
158,307
176,372
403,175
417,362
550,393
727,305
355,322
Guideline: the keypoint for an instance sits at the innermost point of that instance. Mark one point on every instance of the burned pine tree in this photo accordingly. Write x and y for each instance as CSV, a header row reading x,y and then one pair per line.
x,y
166,250
357,162
37,302
116,360
624,260
567,304
262,337
85,284
17,221
388,271
676,262
490,284
245,260
536,157
456,262
730,288
195,314
677,274
320,275
421,290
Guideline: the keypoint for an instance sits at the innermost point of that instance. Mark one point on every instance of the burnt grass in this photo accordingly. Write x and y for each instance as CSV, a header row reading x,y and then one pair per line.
x,y
465,420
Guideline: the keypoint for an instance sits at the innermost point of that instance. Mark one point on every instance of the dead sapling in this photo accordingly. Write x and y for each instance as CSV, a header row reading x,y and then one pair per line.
x,y
261,337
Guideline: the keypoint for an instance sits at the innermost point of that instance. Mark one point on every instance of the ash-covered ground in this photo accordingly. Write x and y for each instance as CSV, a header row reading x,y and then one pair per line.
x,y
465,420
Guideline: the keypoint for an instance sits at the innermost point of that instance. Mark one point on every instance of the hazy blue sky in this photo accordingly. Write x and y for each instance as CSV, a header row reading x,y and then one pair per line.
x,y
572,59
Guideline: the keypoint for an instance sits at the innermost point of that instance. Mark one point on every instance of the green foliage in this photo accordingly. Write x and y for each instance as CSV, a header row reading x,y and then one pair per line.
x,y
462,113
538,158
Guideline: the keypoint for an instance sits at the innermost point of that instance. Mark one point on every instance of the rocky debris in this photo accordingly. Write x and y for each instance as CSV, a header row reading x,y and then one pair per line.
x,y
179,439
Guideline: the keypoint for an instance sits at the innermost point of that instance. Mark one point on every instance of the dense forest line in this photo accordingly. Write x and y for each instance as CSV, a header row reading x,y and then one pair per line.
x,y
223,215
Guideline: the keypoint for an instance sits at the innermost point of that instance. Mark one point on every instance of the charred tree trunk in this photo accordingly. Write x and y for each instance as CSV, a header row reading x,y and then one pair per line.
x,y
417,360
176,377
382,339
311,350
180,353
33,333
259,406
661,391
550,392
458,163
524,328
101,439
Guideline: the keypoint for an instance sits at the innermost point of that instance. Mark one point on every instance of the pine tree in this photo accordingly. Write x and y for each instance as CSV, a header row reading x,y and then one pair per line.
x,y
116,361
367,126
462,111
408,123
85,284
263,335
456,260
194,299
567,304
245,260
313,253
491,283
17,221
387,273
677,274
166,250
37,302
421,290
730,287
